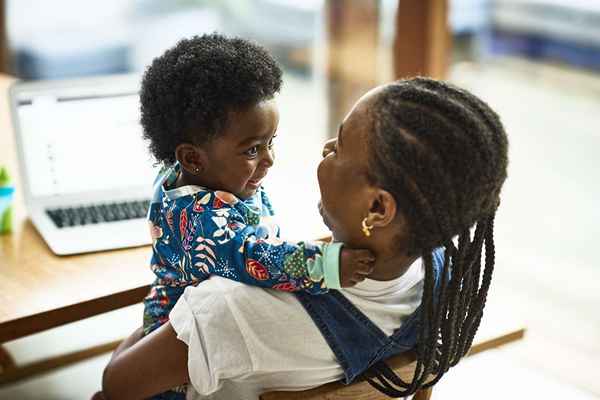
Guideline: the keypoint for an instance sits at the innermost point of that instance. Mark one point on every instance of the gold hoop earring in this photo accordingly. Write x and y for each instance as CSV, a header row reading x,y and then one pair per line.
x,y
366,228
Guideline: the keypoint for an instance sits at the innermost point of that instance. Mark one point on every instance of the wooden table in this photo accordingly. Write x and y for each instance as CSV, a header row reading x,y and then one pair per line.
x,y
39,290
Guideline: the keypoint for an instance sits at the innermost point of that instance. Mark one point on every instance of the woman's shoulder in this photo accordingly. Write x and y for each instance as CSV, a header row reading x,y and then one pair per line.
x,y
245,302
244,331
237,293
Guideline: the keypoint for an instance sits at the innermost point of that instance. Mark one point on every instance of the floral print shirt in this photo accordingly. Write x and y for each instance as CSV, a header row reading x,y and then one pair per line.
x,y
198,232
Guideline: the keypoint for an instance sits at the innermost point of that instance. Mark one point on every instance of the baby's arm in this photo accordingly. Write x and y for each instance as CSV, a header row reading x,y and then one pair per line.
x,y
229,248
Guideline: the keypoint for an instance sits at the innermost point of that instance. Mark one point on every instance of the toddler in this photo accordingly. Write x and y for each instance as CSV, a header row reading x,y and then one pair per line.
x,y
209,113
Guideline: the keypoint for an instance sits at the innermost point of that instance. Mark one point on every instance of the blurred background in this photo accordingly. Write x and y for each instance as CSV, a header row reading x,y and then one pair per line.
x,y
537,62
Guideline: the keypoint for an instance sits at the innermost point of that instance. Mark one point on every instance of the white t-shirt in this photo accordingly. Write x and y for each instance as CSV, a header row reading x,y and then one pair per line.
x,y
244,340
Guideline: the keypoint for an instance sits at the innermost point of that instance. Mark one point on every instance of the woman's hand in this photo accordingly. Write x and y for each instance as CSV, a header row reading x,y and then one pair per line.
x,y
355,266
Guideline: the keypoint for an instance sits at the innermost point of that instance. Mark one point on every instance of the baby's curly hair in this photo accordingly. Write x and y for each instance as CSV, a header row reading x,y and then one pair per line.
x,y
188,92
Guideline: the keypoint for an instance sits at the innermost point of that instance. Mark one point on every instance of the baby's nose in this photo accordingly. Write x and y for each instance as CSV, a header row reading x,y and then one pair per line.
x,y
268,158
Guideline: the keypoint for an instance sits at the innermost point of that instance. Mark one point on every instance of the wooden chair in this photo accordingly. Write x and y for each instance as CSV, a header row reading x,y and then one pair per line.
x,y
403,365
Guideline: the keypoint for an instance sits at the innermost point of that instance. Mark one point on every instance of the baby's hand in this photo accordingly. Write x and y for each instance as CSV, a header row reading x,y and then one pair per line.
x,y
355,265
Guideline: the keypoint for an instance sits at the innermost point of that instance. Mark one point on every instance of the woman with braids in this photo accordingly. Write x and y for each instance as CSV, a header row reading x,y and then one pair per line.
x,y
414,176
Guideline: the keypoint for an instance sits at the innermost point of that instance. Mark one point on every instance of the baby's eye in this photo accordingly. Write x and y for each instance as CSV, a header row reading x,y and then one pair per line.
x,y
252,151
270,144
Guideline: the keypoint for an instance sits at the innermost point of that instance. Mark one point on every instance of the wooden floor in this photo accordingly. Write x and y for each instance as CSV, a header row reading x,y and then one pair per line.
x,y
547,270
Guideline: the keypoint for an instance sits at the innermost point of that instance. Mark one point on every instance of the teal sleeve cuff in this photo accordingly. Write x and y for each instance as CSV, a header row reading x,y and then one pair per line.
x,y
331,265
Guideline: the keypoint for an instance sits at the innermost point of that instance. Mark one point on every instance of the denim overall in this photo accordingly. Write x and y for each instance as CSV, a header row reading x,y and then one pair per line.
x,y
357,342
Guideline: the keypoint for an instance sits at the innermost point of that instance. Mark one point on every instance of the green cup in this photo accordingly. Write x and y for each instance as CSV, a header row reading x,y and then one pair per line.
x,y
6,196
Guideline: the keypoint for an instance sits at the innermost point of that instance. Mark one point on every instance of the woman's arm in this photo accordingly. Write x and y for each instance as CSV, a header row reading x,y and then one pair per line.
x,y
141,367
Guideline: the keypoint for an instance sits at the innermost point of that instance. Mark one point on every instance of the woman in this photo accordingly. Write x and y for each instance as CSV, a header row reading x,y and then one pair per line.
x,y
416,164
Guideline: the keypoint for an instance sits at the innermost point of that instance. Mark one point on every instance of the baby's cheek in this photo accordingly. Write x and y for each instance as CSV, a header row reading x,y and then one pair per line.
x,y
250,170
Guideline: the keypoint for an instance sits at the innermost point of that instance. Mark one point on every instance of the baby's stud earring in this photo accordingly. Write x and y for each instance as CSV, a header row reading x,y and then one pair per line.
x,y
366,228
196,170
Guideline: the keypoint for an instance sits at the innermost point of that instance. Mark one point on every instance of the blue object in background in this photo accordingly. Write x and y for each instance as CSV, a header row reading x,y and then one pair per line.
x,y
62,55
547,30
535,46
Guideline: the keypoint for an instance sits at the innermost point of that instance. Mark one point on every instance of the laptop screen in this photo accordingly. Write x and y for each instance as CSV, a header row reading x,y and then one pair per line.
x,y
82,143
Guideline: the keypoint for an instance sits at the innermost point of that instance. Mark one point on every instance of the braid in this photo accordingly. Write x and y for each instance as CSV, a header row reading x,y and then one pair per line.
x,y
453,302
469,304
428,325
442,153
479,301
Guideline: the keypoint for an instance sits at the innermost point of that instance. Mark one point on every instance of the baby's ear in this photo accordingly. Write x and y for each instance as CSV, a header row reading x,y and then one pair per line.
x,y
192,158
382,209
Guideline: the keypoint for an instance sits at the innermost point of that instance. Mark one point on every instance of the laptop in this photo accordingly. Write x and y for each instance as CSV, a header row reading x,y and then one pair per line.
x,y
86,171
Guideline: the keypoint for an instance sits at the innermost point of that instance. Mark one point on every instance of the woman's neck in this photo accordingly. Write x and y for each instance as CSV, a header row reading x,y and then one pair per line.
x,y
391,265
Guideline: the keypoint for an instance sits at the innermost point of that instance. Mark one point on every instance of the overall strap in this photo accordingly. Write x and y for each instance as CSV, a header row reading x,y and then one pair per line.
x,y
355,340
351,335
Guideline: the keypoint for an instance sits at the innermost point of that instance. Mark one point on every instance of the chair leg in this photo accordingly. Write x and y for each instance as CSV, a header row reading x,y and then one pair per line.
x,y
423,394
6,360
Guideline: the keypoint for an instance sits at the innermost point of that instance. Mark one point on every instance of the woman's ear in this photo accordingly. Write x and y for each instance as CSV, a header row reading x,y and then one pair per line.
x,y
192,158
382,209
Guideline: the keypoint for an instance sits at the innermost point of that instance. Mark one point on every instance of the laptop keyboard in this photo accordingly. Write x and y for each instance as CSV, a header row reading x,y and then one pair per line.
x,y
97,213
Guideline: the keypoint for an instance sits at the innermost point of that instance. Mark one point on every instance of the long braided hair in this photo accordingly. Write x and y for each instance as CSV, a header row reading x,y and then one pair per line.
x,y
442,153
